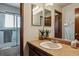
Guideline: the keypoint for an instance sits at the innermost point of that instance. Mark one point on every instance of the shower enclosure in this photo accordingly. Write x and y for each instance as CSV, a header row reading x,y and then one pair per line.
x,y
9,30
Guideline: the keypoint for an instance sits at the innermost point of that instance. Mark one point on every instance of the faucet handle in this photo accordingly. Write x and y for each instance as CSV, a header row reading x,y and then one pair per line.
x,y
55,41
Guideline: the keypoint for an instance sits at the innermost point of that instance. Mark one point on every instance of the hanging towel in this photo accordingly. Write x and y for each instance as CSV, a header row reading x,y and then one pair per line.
x,y
7,36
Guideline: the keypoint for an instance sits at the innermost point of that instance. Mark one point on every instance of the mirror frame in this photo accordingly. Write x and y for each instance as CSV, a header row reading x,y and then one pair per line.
x,y
32,17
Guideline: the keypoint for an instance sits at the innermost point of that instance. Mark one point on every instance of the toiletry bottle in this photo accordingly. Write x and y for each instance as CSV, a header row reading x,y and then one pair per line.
x,y
74,43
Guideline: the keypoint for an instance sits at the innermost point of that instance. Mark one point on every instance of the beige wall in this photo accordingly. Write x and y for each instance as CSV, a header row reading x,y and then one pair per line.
x,y
57,7
31,32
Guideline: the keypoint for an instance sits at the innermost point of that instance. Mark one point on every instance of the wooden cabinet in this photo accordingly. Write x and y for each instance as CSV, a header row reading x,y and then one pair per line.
x,y
35,51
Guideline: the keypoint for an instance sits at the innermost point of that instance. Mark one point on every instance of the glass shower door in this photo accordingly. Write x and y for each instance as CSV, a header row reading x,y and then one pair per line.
x,y
10,30
7,31
9,34
17,26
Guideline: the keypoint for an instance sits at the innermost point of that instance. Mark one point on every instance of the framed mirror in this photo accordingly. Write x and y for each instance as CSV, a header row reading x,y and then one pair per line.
x,y
37,15
47,19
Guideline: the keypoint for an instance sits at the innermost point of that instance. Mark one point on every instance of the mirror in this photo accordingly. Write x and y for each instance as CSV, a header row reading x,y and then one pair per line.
x,y
64,19
37,14
47,19
66,24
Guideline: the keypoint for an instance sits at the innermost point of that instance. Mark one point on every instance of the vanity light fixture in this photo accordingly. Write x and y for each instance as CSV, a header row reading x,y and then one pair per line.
x,y
49,4
36,10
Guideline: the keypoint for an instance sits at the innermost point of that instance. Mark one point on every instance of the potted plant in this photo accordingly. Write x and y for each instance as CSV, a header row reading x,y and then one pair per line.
x,y
47,33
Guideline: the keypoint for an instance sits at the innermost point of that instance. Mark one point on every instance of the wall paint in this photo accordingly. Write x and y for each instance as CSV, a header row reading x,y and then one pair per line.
x,y
69,16
57,7
31,32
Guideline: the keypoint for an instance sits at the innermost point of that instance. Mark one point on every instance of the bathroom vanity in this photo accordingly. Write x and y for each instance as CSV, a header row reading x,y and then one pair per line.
x,y
36,50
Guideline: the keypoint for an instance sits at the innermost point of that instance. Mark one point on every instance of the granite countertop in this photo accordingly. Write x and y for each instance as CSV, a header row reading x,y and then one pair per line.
x,y
65,51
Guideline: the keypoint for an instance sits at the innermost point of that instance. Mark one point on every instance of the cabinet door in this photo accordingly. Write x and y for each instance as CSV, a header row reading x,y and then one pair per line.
x,y
35,51
32,53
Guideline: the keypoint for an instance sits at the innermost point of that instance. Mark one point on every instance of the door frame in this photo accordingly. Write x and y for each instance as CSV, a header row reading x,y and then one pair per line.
x,y
76,35
61,21
21,28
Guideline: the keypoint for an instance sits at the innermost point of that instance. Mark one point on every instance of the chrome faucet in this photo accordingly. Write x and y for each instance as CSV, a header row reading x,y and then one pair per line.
x,y
54,41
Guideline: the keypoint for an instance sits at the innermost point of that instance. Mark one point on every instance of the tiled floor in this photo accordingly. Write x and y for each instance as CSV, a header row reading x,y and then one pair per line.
x,y
13,51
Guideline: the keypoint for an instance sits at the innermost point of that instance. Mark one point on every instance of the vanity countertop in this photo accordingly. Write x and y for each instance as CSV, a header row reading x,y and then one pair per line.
x,y
65,51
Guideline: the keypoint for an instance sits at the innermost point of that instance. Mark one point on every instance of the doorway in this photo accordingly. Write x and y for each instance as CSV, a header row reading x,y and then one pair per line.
x,y
58,24
77,23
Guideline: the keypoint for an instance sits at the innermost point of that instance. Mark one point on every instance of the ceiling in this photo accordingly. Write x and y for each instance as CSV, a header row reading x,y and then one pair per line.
x,y
62,4
14,4
18,4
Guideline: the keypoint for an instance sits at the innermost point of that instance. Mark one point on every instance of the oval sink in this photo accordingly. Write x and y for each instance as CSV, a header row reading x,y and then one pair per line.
x,y
50,45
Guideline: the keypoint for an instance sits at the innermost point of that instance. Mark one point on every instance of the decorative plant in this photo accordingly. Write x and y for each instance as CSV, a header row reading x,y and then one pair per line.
x,y
47,33
42,32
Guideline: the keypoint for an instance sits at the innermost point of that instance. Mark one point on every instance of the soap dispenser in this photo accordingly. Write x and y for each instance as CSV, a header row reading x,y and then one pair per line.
x,y
74,43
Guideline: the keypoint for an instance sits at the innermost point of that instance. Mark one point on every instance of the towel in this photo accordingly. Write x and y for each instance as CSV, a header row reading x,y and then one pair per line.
x,y
7,36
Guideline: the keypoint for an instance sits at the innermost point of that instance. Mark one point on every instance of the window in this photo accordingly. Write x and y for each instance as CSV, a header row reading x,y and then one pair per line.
x,y
18,20
9,20
12,20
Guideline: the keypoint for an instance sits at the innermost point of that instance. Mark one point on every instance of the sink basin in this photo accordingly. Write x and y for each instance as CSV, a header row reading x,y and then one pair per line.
x,y
50,45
